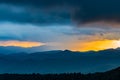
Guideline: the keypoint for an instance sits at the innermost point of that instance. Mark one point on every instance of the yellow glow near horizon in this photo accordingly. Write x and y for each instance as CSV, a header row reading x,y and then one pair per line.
x,y
97,45
24,44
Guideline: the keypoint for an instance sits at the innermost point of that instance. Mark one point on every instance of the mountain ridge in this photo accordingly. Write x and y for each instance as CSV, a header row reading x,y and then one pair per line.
x,y
60,61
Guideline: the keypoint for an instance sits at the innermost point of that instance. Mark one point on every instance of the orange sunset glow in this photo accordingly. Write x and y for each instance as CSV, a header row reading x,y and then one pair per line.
x,y
96,45
24,44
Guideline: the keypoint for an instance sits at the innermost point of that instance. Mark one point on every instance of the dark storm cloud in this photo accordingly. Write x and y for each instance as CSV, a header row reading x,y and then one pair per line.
x,y
61,11
98,10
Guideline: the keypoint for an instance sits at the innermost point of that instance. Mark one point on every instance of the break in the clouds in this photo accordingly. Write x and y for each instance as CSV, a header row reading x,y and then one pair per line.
x,y
60,11
24,44
57,37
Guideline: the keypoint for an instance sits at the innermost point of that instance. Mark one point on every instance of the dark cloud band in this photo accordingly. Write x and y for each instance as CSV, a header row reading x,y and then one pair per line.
x,y
61,11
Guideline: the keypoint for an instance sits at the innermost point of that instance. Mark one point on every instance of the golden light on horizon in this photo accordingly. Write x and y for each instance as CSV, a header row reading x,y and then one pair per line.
x,y
97,45
24,44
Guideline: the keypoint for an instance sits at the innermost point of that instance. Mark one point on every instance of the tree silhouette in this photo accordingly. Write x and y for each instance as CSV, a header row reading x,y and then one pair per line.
x,y
109,75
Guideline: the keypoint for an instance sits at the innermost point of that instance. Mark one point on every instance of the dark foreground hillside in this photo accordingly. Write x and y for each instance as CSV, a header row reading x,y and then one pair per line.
x,y
109,75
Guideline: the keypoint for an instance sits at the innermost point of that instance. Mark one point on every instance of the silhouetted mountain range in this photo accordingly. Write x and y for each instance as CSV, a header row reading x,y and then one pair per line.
x,y
59,61
108,75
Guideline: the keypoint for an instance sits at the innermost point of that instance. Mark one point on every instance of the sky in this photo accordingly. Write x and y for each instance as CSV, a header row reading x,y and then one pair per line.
x,y
77,25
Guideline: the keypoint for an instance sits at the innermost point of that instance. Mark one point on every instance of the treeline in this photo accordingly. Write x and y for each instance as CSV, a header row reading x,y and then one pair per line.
x,y
110,75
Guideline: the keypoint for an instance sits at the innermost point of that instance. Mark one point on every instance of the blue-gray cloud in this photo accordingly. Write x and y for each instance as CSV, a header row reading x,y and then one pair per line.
x,y
39,16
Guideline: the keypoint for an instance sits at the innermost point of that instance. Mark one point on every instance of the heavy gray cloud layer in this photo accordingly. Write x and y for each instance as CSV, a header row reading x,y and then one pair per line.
x,y
59,11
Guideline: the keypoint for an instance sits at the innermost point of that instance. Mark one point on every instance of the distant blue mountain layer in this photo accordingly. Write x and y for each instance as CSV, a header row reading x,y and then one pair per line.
x,y
60,61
